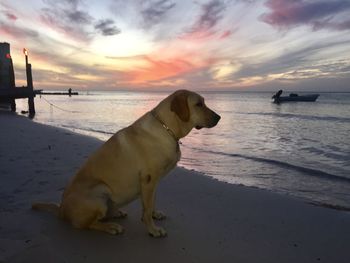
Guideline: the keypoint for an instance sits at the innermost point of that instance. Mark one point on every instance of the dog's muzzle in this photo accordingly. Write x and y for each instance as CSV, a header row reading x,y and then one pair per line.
x,y
213,121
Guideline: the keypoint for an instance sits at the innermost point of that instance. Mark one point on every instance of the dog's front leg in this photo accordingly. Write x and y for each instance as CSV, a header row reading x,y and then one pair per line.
x,y
148,188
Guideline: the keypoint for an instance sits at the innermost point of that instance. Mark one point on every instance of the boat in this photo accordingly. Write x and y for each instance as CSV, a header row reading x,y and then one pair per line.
x,y
277,98
296,97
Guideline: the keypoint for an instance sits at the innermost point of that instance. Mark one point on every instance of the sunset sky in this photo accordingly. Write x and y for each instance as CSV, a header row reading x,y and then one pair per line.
x,y
164,44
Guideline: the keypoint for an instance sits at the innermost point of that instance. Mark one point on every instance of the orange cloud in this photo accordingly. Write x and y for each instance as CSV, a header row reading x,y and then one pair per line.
x,y
226,34
198,35
158,69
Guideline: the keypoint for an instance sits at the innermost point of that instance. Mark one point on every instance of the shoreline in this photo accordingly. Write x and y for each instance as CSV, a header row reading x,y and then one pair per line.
x,y
293,162
207,219
94,134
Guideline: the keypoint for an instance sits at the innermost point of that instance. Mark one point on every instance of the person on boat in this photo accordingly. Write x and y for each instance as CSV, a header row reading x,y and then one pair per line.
x,y
277,95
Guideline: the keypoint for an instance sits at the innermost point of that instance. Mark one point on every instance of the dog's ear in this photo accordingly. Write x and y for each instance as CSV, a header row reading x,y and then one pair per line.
x,y
179,105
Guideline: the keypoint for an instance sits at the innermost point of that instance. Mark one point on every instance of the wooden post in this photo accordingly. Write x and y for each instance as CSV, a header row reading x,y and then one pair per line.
x,y
13,105
30,87
12,84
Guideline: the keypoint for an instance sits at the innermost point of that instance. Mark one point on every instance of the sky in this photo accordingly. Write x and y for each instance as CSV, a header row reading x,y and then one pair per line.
x,y
164,44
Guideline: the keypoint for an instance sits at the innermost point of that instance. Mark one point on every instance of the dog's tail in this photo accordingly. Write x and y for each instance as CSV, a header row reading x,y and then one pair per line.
x,y
48,207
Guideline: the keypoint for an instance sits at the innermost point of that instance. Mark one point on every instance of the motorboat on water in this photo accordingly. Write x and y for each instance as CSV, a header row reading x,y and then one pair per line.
x,y
277,98
296,97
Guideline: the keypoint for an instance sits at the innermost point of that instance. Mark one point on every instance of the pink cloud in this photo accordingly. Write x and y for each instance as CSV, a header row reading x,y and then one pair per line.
x,y
11,16
205,25
285,13
17,32
226,34
158,69
198,35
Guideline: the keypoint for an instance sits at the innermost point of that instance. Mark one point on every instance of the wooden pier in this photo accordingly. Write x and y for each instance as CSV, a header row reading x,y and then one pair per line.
x,y
58,93
9,92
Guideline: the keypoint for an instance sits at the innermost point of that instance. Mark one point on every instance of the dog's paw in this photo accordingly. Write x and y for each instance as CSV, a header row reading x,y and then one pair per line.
x,y
108,227
120,214
157,215
157,232
113,228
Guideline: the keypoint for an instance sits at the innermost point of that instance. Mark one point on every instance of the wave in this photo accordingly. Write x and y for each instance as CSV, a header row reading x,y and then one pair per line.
x,y
86,129
305,170
299,116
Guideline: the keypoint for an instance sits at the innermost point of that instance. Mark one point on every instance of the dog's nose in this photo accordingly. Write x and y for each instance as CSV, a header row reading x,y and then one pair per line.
x,y
217,118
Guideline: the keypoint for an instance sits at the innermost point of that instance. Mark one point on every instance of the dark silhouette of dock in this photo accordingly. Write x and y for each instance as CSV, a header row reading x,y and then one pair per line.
x,y
57,93
8,90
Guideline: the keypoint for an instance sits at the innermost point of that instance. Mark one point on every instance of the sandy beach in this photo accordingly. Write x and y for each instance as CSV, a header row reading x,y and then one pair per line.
x,y
207,220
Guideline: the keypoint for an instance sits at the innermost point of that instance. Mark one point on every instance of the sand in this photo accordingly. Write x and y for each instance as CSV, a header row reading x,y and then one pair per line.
x,y
208,220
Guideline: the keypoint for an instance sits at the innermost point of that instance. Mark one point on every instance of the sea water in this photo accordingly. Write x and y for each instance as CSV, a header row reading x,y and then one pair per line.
x,y
298,148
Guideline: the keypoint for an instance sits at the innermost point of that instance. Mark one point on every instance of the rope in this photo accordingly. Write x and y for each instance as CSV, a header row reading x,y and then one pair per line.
x,y
57,107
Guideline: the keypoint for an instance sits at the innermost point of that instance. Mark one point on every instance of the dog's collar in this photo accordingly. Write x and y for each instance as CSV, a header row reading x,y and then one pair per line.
x,y
172,134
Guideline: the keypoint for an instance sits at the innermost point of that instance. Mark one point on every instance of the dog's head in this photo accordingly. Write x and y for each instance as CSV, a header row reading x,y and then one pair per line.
x,y
190,108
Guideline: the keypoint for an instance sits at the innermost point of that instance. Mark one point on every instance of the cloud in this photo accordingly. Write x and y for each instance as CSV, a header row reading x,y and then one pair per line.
x,y
211,13
65,72
319,14
11,16
65,16
103,78
17,32
153,11
7,12
158,69
149,15
107,27
292,61
340,26
204,26
68,17
65,13
226,34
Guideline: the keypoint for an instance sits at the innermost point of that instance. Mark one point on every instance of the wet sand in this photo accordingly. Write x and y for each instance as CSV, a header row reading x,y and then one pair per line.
x,y
208,221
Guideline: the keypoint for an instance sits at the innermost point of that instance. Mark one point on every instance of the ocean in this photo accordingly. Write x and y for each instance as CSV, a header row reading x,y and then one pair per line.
x,y
300,149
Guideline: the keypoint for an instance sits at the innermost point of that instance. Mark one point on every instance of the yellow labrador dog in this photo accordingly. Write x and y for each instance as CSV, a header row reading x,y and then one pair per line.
x,y
130,164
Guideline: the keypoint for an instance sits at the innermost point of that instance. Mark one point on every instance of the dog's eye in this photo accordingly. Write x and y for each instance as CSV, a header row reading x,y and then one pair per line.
x,y
199,104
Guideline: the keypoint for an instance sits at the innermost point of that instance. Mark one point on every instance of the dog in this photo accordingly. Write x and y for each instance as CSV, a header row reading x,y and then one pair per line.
x,y
130,164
